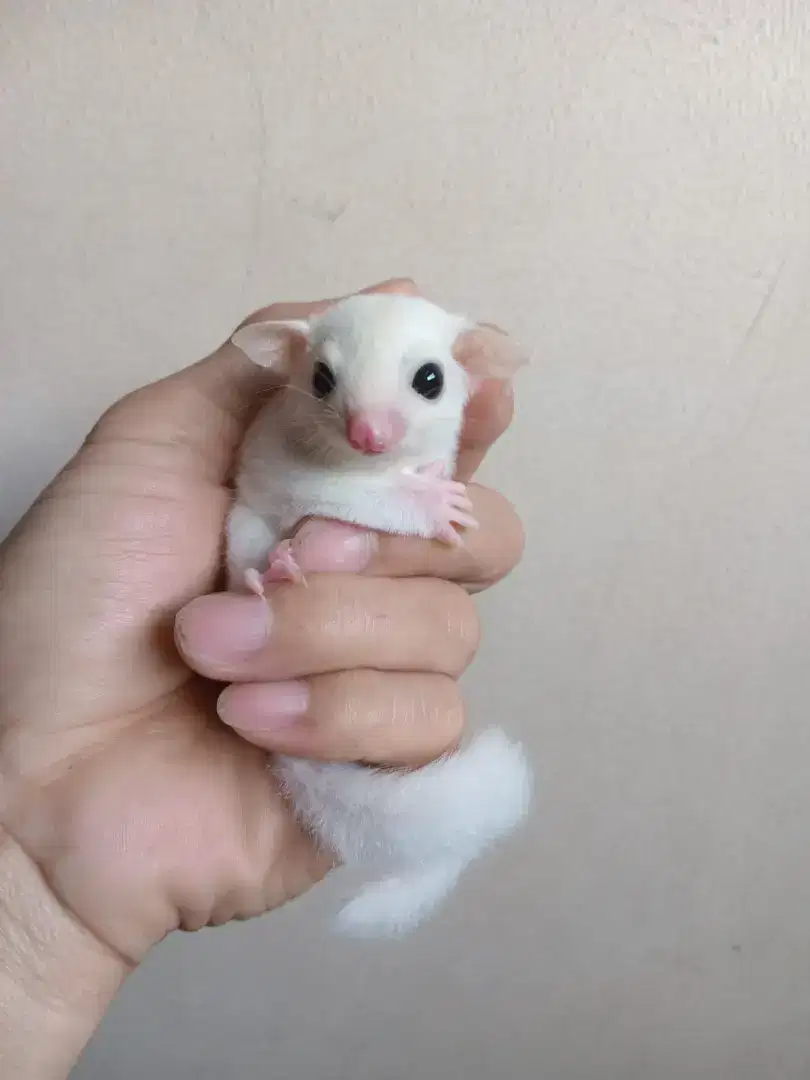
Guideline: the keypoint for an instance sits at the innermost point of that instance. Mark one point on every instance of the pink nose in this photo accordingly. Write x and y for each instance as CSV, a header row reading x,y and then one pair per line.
x,y
373,431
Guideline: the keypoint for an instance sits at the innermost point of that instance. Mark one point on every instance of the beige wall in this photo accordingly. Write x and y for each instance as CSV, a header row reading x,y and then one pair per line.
x,y
625,186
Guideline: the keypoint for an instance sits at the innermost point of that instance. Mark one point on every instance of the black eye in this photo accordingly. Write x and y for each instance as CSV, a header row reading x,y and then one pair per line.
x,y
323,380
428,382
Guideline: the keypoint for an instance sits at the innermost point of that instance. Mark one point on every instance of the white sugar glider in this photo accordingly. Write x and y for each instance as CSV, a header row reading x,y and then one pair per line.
x,y
366,430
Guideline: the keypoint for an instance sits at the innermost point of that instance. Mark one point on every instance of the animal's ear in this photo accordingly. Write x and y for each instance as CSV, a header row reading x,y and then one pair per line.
x,y
268,343
487,352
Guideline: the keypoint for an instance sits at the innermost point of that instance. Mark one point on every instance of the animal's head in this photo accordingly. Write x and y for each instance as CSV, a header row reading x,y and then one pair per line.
x,y
380,374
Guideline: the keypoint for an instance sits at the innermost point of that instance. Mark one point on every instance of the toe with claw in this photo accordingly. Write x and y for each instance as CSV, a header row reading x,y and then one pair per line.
x,y
283,566
445,500
254,582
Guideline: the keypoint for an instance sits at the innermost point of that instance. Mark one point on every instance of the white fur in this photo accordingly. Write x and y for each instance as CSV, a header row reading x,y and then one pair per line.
x,y
416,832
295,461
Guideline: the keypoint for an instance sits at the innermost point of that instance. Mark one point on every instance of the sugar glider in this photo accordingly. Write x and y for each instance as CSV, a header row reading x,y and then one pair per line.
x,y
366,430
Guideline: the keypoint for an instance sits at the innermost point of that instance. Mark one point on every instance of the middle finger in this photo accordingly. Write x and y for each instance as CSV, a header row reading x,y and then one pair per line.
x,y
336,622
391,718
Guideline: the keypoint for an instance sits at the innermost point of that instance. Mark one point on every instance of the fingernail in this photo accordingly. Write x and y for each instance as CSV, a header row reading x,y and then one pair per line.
x,y
324,546
266,707
221,627
394,284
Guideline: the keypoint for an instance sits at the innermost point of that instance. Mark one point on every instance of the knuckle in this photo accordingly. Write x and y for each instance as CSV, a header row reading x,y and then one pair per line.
x,y
463,627
452,717
354,710
114,416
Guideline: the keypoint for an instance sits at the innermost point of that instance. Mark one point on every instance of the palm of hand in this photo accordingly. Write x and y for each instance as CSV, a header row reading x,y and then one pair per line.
x,y
141,810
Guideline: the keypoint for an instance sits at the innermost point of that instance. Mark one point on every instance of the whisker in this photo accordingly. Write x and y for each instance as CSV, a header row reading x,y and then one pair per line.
x,y
298,390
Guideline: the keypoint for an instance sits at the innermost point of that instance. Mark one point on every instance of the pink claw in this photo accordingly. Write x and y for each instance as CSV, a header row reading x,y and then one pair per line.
x,y
283,566
449,535
253,580
445,501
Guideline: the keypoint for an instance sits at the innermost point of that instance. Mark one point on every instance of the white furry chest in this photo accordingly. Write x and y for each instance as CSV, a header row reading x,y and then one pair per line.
x,y
283,487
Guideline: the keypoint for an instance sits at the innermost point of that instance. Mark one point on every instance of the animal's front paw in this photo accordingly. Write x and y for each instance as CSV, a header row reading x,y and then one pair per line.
x,y
283,566
444,501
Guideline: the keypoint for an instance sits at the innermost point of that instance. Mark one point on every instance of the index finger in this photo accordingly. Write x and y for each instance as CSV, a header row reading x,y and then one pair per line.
x,y
488,415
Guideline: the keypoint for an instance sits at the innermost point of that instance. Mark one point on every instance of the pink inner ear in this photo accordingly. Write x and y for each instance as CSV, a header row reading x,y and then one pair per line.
x,y
485,352
270,344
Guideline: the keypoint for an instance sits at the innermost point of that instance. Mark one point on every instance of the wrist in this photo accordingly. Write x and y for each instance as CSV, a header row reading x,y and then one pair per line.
x,y
56,979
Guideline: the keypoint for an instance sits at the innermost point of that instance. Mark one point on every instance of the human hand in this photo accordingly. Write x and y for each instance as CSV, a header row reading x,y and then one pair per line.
x,y
121,790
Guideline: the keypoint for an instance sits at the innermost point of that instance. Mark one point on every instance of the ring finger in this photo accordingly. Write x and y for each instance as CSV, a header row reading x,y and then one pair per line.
x,y
391,718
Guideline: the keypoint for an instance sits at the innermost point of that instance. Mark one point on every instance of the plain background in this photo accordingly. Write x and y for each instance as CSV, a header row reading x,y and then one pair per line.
x,y
624,185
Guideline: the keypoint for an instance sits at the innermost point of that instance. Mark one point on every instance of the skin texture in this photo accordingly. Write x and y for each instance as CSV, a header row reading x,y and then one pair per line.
x,y
129,806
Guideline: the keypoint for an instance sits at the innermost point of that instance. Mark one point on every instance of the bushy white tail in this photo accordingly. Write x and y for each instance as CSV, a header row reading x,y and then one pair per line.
x,y
417,831
397,904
